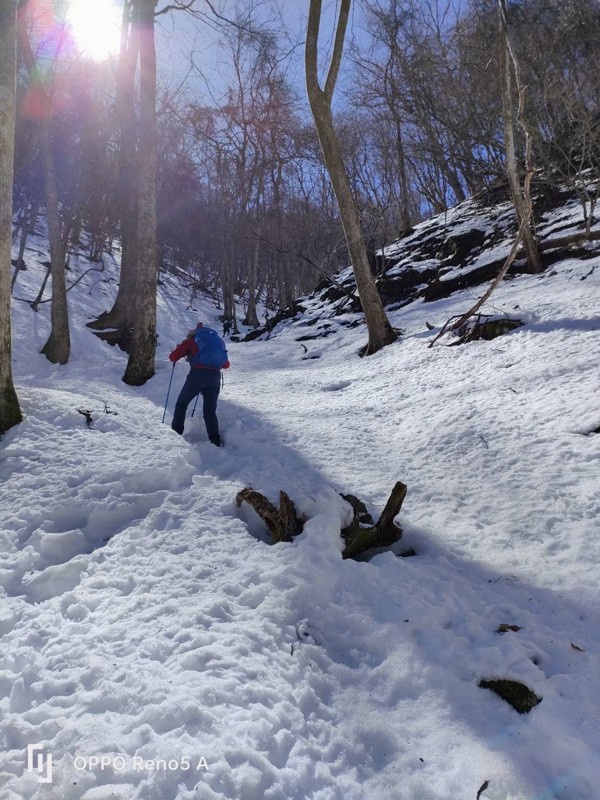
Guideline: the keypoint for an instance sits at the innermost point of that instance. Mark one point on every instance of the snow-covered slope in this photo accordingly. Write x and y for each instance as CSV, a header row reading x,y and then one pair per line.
x,y
457,250
144,621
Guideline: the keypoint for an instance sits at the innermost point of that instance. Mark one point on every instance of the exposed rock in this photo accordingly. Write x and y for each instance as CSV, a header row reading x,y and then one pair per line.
x,y
286,313
516,694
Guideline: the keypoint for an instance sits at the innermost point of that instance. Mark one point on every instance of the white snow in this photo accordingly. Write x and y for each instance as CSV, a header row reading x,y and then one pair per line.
x,y
155,646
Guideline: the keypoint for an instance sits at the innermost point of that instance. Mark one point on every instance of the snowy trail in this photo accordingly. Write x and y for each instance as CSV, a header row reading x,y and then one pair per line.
x,y
167,624
166,631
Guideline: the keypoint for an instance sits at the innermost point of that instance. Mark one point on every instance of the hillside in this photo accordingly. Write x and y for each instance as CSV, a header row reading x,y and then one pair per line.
x,y
146,621
460,249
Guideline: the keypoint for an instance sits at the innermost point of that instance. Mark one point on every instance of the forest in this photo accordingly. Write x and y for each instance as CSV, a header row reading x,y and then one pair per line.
x,y
229,184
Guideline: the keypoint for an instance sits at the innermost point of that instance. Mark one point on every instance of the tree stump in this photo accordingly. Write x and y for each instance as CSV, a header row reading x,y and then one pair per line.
x,y
360,535
282,523
383,534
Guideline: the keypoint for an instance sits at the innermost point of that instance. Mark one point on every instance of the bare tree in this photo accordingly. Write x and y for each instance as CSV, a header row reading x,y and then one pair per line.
x,y
320,99
140,366
563,81
121,315
521,194
58,346
10,413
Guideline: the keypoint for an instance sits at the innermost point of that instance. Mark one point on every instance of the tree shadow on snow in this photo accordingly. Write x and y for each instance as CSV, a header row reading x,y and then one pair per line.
x,y
447,609
469,622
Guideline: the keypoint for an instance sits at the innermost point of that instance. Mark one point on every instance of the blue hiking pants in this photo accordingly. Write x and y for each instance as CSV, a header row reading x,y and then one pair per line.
x,y
208,383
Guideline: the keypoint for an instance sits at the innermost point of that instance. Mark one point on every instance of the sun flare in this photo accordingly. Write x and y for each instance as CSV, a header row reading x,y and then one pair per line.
x,y
95,27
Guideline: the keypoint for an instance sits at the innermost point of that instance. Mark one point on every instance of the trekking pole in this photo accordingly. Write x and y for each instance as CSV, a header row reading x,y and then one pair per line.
x,y
195,404
168,390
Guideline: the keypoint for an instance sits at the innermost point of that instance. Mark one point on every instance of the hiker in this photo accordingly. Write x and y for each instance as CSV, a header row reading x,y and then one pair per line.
x,y
227,327
206,353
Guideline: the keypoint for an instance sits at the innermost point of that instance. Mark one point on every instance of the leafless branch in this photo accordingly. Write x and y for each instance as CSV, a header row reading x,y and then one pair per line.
x,y
452,326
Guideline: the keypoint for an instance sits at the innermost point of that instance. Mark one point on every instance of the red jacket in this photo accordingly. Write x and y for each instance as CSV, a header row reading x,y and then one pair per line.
x,y
189,347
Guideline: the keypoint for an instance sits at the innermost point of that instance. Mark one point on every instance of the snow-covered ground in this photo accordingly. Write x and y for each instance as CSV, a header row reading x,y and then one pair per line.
x,y
155,647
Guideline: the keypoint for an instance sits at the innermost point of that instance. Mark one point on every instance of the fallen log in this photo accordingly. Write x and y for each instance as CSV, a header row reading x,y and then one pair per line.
x,y
485,329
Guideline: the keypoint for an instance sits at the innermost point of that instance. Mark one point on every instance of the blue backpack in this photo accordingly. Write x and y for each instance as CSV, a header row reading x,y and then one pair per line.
x,y
212,352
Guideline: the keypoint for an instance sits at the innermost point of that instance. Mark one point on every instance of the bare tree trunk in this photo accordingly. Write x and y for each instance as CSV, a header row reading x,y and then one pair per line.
x,y
227,281
405,198
378,326
251,315
121,314
27,225
58,346
10,413
140,366
282,293
36,303
521,195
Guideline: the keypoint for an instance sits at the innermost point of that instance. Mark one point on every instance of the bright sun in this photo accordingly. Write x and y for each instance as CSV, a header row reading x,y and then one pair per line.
x,y
95,27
